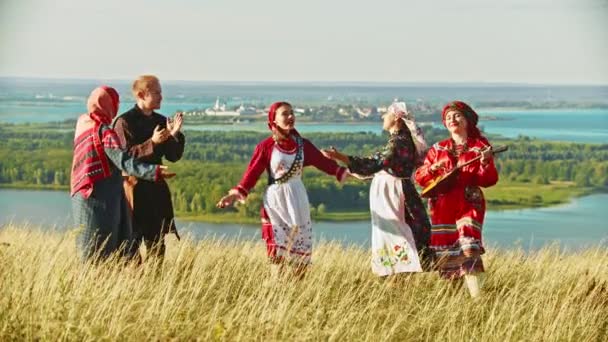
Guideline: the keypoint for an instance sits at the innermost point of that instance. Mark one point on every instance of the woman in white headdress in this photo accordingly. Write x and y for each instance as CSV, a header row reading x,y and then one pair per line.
x,y
400,225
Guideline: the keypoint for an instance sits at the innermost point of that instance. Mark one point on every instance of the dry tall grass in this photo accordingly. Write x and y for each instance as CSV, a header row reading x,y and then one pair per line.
x,y
223,290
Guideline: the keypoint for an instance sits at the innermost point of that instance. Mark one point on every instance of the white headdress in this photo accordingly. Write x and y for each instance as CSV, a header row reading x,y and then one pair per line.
x,y
399,109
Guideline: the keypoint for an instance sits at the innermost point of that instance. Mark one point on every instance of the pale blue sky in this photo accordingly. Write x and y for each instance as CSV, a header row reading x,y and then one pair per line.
x,y
530,41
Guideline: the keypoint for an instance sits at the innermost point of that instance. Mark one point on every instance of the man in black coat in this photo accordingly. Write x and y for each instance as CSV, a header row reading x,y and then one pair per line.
x,y
149,137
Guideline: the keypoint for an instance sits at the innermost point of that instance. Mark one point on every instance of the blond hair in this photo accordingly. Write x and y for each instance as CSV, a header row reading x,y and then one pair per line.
x,y
142,83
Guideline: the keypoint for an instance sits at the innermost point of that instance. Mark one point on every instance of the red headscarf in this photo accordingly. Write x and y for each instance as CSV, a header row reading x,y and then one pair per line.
x,y
103,104
272,113
90,164
102,107
287,144
469,114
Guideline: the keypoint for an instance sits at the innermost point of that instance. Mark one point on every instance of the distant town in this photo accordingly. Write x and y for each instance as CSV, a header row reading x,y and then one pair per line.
x,y
221,112
422,111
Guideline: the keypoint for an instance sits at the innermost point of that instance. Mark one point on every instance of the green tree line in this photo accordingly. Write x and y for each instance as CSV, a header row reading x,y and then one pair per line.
x,y
213,162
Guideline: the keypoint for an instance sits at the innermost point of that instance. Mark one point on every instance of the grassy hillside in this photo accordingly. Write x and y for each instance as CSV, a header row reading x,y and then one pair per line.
x,y
223,290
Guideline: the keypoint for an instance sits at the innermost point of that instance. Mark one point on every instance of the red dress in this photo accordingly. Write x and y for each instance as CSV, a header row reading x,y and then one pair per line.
x,y
457,214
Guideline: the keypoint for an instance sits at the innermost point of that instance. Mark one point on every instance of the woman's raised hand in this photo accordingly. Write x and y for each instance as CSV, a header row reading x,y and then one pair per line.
x,y
331,153
227,200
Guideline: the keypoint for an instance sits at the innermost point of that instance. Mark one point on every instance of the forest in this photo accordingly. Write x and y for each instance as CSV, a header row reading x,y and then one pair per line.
x,y
39,156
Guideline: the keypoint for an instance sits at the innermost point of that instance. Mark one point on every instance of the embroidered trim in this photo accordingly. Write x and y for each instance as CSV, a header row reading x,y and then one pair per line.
x,y
457,150
467,221
295,166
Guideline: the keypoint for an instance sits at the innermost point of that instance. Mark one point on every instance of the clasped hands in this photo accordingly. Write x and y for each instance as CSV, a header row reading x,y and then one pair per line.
x,y
174,125
334,154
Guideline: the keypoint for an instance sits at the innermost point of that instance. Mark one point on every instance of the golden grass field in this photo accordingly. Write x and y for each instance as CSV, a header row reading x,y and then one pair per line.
x,y
224,290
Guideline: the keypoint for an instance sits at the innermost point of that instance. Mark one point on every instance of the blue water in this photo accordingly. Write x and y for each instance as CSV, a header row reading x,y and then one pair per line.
x,y
44,110
588,125
583,126
575,225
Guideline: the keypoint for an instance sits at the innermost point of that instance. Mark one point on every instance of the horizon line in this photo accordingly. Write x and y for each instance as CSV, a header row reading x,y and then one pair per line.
x,y
321,83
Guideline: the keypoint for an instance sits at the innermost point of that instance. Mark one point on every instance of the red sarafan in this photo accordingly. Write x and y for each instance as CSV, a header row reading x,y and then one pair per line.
x,y
452,175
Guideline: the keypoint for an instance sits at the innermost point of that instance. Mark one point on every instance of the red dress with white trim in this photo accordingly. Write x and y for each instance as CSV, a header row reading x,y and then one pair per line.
x,y
457,214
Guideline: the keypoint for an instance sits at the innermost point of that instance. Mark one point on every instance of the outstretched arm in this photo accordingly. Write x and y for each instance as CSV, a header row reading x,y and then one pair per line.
x,y
124,161
314,157
379,161
257,165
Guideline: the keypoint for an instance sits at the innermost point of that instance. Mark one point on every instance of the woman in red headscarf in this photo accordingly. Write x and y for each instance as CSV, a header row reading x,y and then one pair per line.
x,y
286,223
98,201
457,213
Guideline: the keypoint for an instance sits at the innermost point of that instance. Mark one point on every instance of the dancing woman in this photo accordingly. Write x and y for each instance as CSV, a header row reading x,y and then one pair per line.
x,y
400,225
286,222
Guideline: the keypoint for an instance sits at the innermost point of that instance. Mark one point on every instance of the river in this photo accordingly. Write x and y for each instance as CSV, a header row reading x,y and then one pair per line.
x,y
575,225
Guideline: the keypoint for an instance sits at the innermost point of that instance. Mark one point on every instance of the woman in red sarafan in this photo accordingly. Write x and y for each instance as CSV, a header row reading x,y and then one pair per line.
x,y
457,213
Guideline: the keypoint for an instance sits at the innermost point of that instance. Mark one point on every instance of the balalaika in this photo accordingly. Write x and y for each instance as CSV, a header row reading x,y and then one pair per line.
x,y
444,182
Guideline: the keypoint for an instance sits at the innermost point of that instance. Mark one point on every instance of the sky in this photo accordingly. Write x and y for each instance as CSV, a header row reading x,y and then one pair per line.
x,y
514,41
